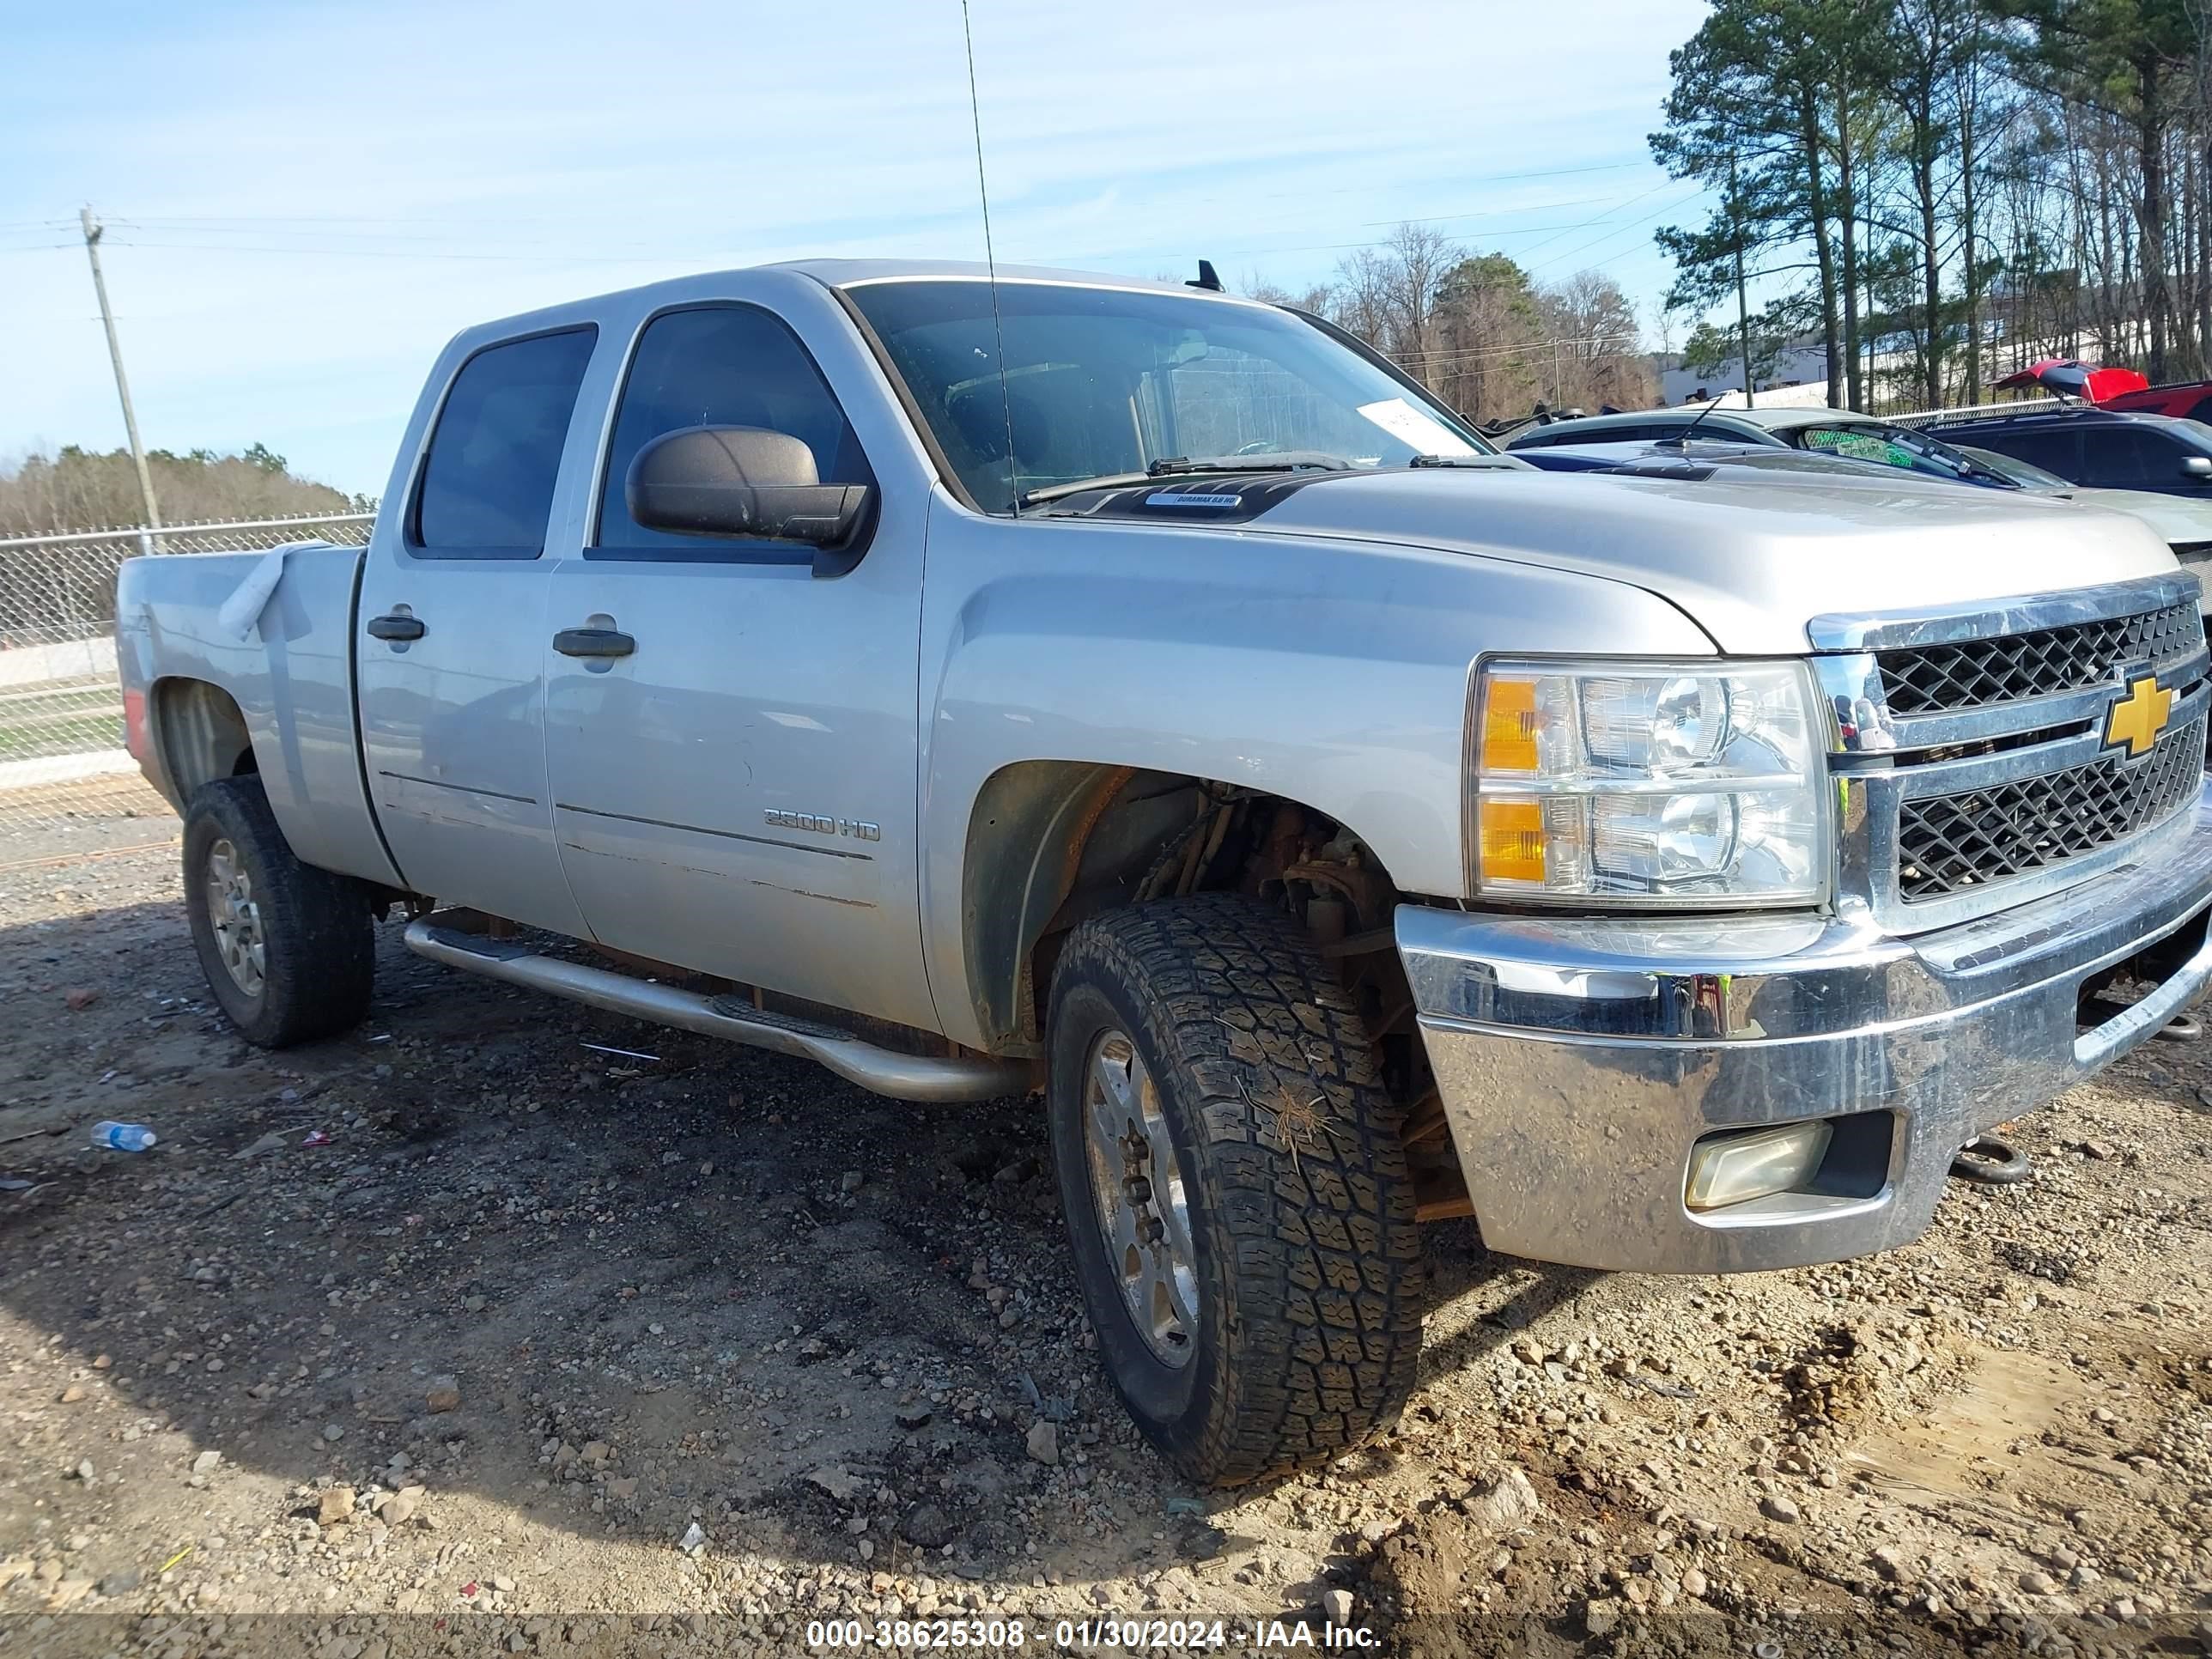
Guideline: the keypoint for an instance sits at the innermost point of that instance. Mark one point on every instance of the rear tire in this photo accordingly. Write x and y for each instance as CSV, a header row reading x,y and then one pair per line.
x,y
287,948
1237,1197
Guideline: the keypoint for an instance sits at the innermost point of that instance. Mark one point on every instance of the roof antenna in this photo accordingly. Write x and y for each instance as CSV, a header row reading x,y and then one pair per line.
x,y
990,259
1206,278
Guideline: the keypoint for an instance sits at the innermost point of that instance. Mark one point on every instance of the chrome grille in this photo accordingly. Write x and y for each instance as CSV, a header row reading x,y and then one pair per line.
x,y
1947,844
1971,749
1975,673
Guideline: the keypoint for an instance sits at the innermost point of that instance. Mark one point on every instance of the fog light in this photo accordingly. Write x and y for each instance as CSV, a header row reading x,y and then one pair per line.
x,y
1734,1169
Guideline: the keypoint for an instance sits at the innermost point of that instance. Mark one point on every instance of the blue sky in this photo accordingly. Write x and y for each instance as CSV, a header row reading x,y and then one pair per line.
x,y
305,200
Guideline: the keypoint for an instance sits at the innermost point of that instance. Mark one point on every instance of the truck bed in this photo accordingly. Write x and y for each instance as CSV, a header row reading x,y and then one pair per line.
x,y
289,673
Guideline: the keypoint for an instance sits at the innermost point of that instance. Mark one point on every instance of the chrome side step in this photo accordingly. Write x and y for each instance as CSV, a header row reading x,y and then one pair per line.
x,y
885,1071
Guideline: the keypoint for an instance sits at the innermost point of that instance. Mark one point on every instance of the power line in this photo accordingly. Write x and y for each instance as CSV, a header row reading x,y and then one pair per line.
x,y
1487,213
1601,241
1622,205
1471,179
549,257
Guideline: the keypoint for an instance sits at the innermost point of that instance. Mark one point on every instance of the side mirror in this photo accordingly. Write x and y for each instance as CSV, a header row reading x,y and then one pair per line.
x,y
2197,467
742,481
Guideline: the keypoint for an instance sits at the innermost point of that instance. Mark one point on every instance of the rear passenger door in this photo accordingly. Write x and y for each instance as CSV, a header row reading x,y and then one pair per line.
x,y
452,638
734,791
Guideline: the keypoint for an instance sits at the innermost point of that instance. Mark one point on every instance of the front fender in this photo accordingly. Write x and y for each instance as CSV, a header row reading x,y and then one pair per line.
x,y
1332,673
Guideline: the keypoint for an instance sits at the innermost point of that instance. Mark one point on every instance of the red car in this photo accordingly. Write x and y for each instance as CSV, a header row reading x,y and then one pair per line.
x,y
2115,388
2191,398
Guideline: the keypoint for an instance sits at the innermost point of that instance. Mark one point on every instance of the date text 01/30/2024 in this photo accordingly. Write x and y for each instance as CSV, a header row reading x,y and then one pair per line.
x,y
1084,1635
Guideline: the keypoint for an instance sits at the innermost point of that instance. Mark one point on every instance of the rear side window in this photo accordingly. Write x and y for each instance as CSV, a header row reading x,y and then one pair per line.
x,y
487,488
726,365
2202,411
2054,452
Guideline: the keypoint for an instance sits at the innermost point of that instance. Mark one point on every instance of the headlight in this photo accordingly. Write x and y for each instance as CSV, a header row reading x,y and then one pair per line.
x,y
1648,783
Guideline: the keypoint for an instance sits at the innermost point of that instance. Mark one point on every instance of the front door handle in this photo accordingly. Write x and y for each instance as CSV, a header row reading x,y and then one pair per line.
x,y
395,627
592,642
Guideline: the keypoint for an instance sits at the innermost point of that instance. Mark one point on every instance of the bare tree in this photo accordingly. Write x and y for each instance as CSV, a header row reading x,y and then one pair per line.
x,y
1597,348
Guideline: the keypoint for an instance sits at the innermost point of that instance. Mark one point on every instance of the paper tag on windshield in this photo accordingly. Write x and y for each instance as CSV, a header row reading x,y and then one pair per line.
x,y
1427,434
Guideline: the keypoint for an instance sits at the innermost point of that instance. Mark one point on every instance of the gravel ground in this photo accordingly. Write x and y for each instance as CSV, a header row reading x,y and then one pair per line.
x,y
460,1334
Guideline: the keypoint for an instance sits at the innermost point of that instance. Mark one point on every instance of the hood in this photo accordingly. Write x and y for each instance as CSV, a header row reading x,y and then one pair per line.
x,y
1751,562
2180,520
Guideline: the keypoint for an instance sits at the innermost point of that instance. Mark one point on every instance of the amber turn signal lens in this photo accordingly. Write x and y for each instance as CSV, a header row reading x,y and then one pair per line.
x,y
1509,726
1512,840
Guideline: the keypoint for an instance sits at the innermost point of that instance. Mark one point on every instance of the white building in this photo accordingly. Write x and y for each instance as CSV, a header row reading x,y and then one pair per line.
x,y
1794,366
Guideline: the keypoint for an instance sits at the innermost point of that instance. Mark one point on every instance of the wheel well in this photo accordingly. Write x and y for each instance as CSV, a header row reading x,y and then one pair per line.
x,y
200,735
1051,843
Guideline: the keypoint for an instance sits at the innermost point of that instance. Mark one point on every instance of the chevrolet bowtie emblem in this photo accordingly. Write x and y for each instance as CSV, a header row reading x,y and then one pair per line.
x,y
2137,719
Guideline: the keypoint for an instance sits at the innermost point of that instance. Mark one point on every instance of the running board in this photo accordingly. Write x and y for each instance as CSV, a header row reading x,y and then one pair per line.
x,y
885,1071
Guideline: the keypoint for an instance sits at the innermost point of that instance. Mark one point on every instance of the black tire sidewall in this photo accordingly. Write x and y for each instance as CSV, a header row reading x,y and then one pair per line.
x,y
1171,1404
318,947
214,817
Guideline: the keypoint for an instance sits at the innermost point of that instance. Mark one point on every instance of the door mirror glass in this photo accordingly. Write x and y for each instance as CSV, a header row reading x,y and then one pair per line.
x,y
741,481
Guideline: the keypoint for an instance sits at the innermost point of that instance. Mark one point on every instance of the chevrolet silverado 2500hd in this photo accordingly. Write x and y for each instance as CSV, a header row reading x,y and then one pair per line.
x,y
1152,698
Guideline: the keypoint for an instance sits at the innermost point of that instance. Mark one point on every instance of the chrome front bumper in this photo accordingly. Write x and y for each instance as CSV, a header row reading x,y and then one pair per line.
x,y
1580,1060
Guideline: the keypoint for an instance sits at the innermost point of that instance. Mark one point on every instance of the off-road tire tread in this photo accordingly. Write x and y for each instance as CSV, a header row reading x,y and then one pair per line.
x,y
320,942
1323,1296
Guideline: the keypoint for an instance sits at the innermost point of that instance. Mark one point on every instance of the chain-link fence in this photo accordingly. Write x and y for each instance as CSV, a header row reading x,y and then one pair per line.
x,y
67,786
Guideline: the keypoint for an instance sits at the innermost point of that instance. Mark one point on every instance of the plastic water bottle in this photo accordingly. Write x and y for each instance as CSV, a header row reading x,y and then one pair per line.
x,y
121,1136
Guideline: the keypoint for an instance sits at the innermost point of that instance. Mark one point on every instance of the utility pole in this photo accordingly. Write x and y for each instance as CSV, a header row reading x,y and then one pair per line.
x,y
1742,302
92,234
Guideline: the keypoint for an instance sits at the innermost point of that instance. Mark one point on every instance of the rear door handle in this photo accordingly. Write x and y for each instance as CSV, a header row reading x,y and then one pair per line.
x,y
396,627
592,642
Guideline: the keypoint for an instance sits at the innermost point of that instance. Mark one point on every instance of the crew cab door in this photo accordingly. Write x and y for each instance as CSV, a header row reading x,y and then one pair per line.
x,y
730,739
451,640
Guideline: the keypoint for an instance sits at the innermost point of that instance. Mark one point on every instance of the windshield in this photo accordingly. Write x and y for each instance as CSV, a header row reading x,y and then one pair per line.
x,y
1103,382
1896,446
2011,466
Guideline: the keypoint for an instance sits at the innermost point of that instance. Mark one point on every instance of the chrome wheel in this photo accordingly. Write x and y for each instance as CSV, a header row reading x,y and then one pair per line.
x,y
236,918
1137,1188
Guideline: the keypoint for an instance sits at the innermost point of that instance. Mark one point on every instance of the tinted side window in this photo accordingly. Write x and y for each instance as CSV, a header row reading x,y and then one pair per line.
x,y
487,487
2054,452
719,366
2128,456
2202,411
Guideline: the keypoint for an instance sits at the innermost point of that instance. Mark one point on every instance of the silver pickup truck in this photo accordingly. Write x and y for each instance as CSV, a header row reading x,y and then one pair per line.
x,y
1152,698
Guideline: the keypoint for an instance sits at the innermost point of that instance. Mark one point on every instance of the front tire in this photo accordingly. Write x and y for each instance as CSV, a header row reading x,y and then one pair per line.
x,y
287,948
1238,1200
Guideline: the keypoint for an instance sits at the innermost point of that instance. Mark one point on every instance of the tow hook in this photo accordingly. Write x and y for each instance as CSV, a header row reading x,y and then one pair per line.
x,y
2182,1028
1989,1162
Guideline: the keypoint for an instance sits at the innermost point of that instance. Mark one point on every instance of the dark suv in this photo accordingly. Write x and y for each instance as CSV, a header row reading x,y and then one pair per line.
x,y
2106,449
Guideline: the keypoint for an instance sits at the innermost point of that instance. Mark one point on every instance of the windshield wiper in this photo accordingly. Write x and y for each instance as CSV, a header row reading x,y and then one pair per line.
x,y
1176,466
1477,460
